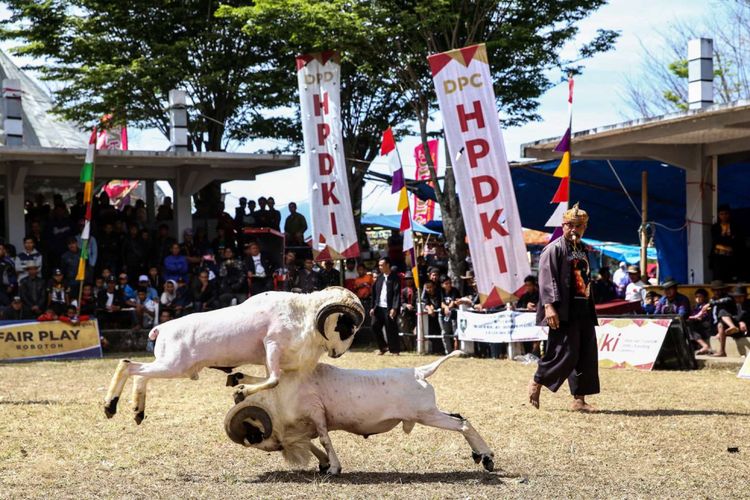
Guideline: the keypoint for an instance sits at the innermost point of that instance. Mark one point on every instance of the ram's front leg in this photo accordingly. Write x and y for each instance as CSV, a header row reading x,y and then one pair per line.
x,y
273,365
318,417
323,463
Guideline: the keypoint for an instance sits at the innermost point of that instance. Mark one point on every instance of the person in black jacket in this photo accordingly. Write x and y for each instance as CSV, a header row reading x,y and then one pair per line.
x,y
33,292
386,301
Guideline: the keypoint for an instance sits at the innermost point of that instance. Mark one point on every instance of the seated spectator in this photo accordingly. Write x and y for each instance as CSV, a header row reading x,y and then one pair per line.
x,y
190,250
233,283
350,273
110,305
652,299
175,265
168,295
433,274
48,315
636,289
155,279
530,298
673,302
145,283
259,268
58,293
699,322
69,263
8,278
14,311
71,316
29,253
88,302
165,211
329,276
605,289
295,226
128,292
308,280
33,292
733,319
183,301
165,315
145,310
221,242
204,293
285,277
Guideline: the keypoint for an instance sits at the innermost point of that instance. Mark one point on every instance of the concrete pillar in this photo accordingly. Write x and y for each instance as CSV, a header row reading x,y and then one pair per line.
x,y
182,210
178,136
699,213
14,206
12,112
700,73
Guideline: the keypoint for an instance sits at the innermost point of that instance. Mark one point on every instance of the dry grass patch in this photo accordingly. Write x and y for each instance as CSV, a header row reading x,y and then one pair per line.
x,y
660,434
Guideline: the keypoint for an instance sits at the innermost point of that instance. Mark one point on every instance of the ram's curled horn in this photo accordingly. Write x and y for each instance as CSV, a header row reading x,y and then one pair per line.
x,y
237,428
352,309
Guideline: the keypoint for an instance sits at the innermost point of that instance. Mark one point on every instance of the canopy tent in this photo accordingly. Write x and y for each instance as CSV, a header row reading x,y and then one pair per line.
x,y
393,221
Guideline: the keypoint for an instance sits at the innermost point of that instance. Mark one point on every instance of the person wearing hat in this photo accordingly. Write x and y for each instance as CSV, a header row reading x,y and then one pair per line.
x,y
733,318
33,292
566,306
151,293
58,293
621,279
673,302
636,289
699,322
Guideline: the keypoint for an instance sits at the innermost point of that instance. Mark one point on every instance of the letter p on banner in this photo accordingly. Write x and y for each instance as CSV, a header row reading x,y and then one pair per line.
x,y
472,130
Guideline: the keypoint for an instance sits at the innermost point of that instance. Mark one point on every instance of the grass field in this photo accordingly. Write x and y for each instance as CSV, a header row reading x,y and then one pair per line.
x,y
660,434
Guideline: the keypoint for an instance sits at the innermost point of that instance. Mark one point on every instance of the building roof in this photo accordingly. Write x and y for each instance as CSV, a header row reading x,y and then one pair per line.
x,y
721,130
40,126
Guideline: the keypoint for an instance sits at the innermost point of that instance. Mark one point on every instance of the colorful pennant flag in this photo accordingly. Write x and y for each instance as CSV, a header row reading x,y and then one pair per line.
x,y
388,149
87,178
562,195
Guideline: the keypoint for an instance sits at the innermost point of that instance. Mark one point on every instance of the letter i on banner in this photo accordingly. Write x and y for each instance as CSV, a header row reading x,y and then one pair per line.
x,y
472,130
333,234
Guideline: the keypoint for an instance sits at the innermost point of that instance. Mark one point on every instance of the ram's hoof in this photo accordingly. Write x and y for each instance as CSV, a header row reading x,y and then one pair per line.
x,y
233,379
111,409
324,468
476,457
239,395
488,463
333,472
139,417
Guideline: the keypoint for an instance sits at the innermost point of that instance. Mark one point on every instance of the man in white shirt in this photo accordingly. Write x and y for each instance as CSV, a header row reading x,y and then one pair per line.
x,y
636,289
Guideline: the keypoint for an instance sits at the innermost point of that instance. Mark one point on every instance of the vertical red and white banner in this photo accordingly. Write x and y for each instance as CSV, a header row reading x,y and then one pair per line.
x,y
472,129
333,234
424,210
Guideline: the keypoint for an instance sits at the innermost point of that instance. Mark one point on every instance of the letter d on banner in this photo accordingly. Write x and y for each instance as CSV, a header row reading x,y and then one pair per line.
x,y
467,102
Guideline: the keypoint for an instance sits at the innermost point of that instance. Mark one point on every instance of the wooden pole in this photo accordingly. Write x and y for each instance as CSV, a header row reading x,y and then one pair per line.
x,y
644,218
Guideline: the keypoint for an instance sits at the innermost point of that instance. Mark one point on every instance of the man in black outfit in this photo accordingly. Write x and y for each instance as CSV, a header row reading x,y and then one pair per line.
x,y
567,307
386,301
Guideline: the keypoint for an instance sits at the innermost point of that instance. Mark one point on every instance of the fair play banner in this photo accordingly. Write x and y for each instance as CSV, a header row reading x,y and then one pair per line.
x,y
630,343
424,210
333,234
48,340
472,129
501,327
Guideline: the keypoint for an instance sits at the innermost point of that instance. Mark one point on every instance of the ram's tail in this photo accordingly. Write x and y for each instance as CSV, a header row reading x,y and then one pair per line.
x,y
422,372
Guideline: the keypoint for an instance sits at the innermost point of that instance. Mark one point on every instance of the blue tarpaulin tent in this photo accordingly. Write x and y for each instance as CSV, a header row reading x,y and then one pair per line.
x,y
392,221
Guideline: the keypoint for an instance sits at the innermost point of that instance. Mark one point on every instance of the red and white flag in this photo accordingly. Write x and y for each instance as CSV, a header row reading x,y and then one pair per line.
x,y
488,203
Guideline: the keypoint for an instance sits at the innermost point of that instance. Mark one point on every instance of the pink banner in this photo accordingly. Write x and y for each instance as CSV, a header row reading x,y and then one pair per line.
x,y
424,211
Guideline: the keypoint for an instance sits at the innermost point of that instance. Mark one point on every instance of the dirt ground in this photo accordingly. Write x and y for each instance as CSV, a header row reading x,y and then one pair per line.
x,y
659,434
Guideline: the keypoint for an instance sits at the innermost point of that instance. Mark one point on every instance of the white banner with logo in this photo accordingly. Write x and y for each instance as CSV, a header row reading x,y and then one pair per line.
x,y
333,234
500,327
472,129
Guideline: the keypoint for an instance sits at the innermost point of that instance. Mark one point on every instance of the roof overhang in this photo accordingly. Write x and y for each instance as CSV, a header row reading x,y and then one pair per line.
x,y
134,164
678,139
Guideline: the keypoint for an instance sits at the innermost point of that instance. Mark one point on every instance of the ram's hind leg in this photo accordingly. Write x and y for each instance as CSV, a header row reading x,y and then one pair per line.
x,y
480,452
115,387
139,398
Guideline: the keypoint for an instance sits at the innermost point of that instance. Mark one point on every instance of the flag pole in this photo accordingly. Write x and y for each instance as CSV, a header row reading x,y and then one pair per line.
x,y
87,178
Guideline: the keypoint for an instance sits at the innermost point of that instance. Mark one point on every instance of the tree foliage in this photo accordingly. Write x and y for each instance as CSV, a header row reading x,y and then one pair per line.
x,y
661,84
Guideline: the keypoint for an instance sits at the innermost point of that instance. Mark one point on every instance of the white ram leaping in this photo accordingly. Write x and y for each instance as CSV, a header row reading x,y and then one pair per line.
x,y
284,331
365,402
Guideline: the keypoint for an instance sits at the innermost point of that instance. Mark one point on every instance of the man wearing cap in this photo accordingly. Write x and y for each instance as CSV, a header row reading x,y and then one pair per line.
x,y
733,318
636,289
151,293
14,311
33,292
673,302
567,308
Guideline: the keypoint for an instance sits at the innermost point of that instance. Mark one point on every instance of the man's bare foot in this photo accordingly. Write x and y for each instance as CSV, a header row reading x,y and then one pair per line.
x,y
720,355
731,330
580,404
379,352
702,351
535,390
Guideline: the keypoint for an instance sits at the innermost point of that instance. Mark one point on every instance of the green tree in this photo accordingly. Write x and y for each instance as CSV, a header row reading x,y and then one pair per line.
x,y
124,57
394,37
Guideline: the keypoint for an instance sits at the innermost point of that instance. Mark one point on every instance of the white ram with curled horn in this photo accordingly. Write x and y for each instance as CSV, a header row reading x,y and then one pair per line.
x,y
283,331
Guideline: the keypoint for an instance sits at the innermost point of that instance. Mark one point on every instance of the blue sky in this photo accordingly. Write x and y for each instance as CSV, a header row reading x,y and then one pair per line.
x,y
598,99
